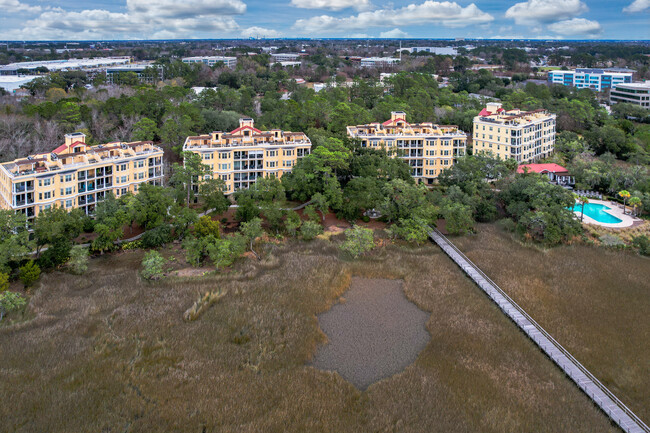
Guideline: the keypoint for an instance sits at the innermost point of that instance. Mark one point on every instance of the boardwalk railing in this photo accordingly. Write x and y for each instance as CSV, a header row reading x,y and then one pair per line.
x,y
586,381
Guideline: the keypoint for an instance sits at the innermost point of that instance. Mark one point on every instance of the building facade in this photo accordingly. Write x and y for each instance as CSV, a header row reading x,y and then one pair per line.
x,y
632,93
284,57
76,175
378,62
427,148
241,156
230,62
148,73
526,136
595,79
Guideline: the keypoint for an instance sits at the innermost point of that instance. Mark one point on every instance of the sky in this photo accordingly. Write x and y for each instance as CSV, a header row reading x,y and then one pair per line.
x,y
215,19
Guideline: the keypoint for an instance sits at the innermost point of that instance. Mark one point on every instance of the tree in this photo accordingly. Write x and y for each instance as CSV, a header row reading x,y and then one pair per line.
x,y
583,201
110,216
57,226
458,218
10,301
635,202
152,265
624,194
29,273
310,229
185,177
414,229
292,222
358,240
247,208
144,129
319,201
182,218
4,282
251,230
152,206
14,238
78,259
273,214
212,196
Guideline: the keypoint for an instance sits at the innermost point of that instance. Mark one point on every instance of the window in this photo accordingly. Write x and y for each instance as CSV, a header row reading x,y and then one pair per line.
x,y
44,182
68,203
224,166
121,167
288,152
270,164
271,153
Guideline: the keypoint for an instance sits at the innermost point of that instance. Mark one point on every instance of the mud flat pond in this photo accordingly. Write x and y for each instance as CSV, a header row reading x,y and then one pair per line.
x,y
374,333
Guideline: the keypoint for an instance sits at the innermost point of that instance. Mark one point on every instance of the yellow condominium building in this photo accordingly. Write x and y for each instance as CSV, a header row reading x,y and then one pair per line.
x,y
77,175
426,147
241,156
526,136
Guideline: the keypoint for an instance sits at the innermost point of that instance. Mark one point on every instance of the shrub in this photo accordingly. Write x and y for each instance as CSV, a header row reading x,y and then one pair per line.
x,y
507,224
78,259
4,282
224,251
310,229
311,213
10,301
57,253
292,222
611,241
358,240
156,237
205,226
133,245
152,265
29,273
641,242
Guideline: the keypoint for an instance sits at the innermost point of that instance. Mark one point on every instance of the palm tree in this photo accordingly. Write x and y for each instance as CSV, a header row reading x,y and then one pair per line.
x,y
583,201
624,195
635,202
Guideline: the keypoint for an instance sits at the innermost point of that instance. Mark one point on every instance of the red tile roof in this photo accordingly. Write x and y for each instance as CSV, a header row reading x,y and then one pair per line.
x,y
542,168
241,128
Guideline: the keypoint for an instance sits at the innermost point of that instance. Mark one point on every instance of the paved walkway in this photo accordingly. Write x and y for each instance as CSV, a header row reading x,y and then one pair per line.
x,y
586,381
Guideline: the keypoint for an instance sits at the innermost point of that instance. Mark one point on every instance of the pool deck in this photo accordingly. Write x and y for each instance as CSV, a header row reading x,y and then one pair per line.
x,y
614,210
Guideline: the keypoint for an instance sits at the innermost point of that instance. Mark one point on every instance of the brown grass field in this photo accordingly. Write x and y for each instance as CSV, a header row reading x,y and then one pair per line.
x,y
593,300
109,352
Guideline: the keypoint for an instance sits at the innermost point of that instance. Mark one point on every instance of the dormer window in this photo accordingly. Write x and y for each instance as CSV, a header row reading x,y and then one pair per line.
x,y
247,133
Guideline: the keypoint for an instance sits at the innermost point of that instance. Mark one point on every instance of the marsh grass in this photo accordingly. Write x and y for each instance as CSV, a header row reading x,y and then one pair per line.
x,y
594,300
111,352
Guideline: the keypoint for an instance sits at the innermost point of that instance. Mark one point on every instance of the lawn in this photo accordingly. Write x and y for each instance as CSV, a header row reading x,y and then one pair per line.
x,y
594,301
109,352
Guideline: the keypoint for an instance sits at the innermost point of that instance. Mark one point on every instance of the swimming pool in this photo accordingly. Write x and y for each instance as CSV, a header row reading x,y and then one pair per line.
x,y
597,212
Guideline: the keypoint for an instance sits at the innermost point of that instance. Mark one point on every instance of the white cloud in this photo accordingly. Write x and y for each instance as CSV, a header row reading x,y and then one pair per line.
x,y
393,34
254,32
185,8
449,14
164,19
637,6
545,11
333,5
16,6
575,27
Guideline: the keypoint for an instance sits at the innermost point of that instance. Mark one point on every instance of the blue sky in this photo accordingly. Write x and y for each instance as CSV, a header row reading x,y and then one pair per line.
x,y
164,19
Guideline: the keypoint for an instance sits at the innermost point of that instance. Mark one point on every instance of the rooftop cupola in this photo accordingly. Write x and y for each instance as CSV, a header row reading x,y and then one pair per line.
x,y
246,121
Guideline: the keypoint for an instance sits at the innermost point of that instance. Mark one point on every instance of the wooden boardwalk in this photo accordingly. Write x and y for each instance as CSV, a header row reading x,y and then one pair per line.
x,y
586,381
